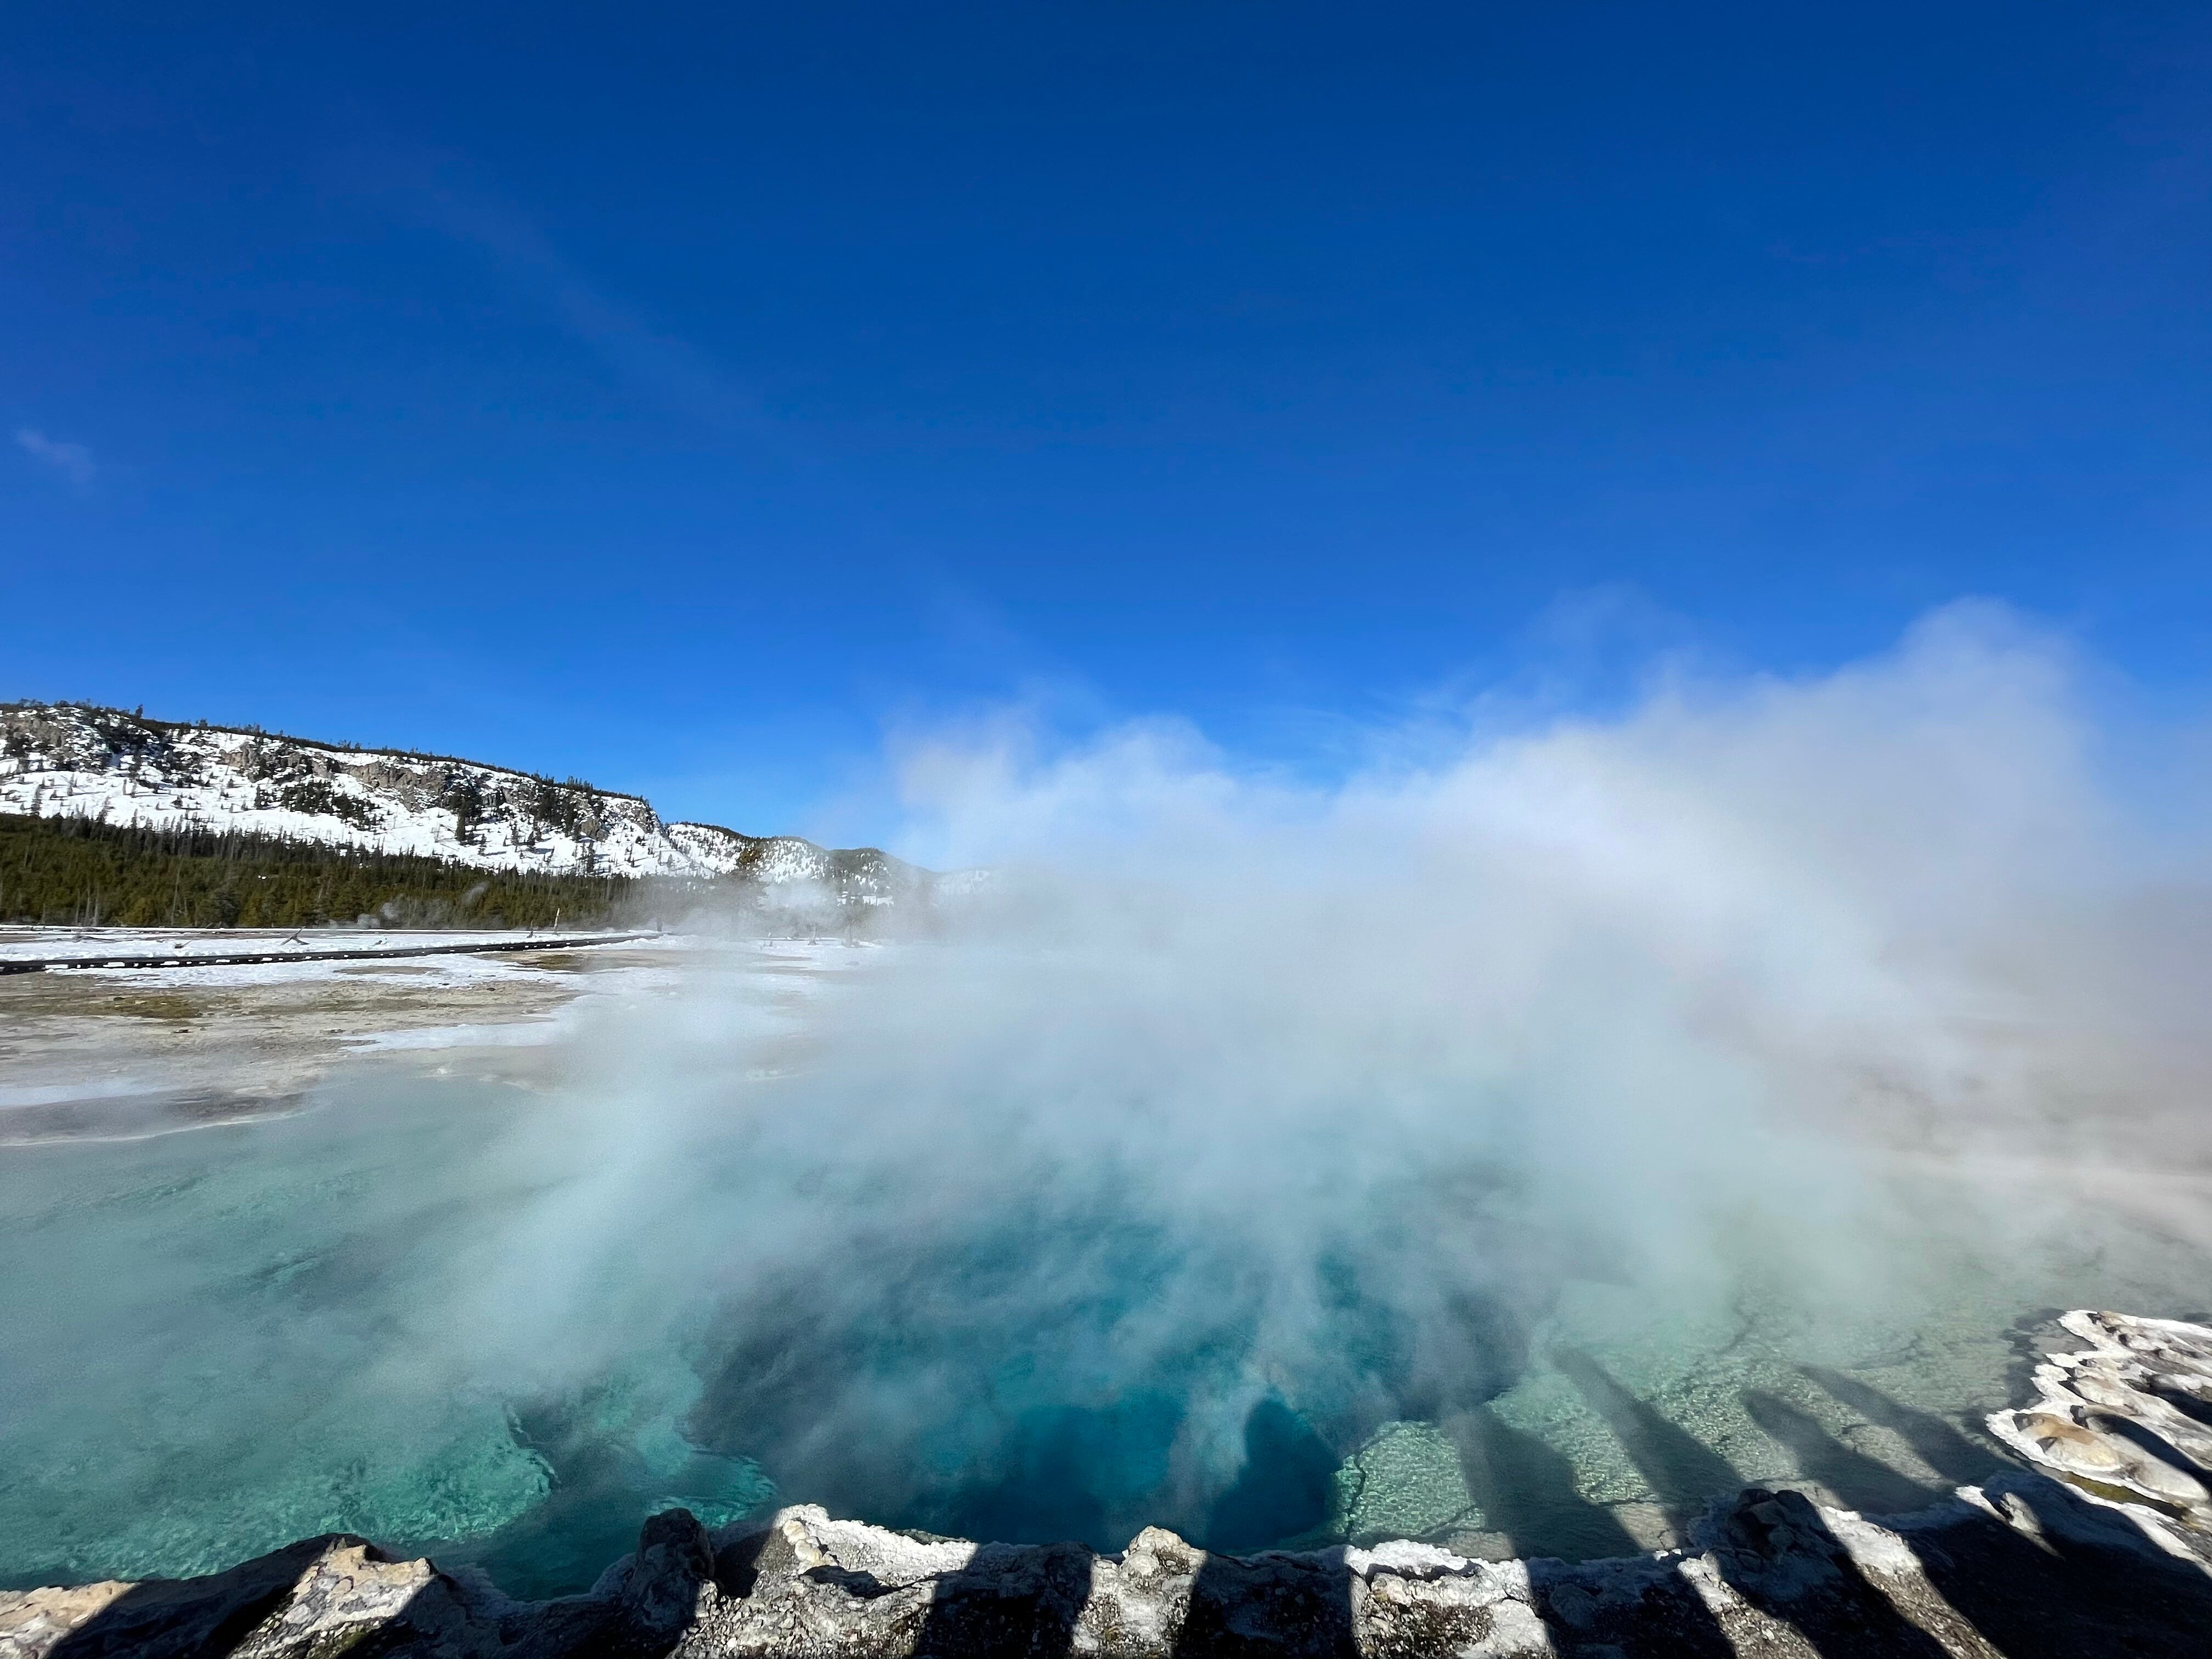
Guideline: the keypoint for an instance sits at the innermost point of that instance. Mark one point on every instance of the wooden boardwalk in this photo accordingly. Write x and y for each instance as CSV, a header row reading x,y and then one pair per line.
x,y
240,958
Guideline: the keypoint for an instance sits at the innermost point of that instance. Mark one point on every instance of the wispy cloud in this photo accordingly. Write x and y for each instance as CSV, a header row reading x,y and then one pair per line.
x,y
442,189
73,461
671,370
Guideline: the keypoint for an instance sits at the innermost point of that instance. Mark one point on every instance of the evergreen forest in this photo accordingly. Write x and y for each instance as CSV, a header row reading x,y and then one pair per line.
x,y
75,872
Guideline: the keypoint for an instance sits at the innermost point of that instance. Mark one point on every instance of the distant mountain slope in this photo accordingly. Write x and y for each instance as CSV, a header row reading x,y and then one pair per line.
x,y
861,873
70,760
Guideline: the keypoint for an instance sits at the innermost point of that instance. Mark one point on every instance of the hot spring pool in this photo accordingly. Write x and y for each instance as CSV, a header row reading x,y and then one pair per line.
x,y
218,1341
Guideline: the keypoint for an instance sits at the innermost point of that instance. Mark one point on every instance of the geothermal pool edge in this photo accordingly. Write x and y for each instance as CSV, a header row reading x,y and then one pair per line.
x,y
2103,1544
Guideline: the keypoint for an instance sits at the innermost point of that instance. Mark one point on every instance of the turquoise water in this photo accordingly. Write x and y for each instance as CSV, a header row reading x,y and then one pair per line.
x,y
215,1342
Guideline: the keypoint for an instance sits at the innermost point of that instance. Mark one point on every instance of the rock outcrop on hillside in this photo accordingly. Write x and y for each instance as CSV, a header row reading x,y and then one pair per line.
x,y
72,760
2101,1548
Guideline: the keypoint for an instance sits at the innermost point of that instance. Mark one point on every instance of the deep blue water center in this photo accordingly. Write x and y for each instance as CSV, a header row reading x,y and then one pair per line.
x,y
222,1340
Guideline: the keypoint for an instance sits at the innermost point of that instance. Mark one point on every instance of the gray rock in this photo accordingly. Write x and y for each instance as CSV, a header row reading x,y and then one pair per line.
x,y
2128,1418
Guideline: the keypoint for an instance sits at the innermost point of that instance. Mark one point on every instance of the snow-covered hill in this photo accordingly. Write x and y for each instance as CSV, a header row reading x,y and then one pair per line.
x,y
69,760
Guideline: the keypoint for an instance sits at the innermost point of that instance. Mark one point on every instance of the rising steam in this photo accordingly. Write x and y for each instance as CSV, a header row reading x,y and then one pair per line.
x,y
1233,1120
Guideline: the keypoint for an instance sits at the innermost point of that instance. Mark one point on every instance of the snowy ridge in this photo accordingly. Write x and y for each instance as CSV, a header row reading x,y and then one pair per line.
x,y
68,760
861,874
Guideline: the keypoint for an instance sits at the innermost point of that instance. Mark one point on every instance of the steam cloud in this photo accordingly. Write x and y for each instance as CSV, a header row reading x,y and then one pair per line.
x,y
1238,1118
1234,1119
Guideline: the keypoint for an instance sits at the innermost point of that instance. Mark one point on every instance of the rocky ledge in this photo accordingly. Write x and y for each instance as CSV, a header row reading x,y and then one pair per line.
x,y
2103,1544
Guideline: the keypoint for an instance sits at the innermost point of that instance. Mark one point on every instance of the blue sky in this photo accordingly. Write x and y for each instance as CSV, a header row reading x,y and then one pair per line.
x,y
681,397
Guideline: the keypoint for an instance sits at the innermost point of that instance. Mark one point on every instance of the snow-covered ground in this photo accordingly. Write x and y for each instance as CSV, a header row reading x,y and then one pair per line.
x,y
122,1053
